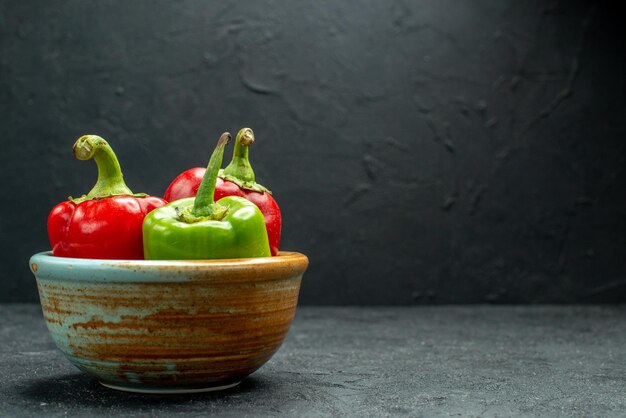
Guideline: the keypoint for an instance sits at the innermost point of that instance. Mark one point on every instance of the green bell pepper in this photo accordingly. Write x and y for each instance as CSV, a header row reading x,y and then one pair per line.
x,y
200,228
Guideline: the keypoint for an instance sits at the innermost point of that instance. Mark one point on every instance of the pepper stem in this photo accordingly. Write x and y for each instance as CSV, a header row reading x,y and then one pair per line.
x,y
110,179
239,166
204,205
239,171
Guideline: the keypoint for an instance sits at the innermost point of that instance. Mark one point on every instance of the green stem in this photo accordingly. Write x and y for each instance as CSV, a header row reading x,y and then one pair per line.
x,y
240,167
110,179
239,171
204,204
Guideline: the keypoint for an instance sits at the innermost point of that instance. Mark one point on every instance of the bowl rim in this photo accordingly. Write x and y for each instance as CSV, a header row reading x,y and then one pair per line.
x,y
45,266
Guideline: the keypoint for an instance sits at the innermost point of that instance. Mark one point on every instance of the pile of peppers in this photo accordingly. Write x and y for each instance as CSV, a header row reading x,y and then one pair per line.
x,y
205,213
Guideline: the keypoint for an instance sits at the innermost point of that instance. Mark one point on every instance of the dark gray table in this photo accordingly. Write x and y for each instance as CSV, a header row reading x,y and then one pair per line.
x,y
432,361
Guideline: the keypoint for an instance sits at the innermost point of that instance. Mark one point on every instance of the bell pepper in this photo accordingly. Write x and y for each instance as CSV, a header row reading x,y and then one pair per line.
x,y
237,179
106,222
202,228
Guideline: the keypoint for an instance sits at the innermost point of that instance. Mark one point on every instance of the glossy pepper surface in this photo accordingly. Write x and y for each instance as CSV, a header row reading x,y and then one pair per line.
x,y
201,228
105,223
237,179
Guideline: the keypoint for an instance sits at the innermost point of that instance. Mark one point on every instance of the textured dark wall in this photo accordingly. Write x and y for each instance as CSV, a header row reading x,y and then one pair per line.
x,y
421,151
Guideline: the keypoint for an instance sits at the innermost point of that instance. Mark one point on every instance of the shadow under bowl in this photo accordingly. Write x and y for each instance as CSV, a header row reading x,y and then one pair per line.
x,y
169,326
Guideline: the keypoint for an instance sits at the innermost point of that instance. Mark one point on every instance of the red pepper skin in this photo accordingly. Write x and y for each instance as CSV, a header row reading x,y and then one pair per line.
x,y
186,185
108,228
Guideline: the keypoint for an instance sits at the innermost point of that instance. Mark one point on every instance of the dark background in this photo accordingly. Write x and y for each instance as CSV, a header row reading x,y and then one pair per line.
x,y
421,151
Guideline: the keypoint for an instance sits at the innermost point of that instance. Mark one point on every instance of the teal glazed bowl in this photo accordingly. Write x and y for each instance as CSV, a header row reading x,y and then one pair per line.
x,y
169,326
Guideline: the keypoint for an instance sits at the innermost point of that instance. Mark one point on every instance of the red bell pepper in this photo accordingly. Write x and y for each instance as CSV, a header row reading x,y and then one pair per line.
x,y
237,179
105,223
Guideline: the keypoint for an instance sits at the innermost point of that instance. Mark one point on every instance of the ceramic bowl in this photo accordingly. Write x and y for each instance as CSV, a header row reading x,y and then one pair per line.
x,y
169,326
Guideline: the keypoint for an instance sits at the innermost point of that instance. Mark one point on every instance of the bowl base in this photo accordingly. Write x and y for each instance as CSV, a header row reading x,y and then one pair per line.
x,y
169,391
